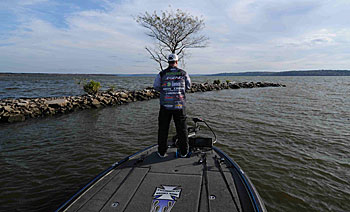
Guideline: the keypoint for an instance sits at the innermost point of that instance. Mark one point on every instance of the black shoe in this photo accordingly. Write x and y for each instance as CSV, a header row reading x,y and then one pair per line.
x,y
179,155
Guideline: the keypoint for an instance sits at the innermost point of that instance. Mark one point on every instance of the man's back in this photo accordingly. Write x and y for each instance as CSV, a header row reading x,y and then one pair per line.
x,y
172,84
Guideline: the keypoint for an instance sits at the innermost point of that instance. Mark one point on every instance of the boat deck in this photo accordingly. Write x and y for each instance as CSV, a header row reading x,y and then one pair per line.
x,y
203,182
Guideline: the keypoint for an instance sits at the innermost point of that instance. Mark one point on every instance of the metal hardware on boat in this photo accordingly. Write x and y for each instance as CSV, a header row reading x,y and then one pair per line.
x,y
115,204
222,160
200,161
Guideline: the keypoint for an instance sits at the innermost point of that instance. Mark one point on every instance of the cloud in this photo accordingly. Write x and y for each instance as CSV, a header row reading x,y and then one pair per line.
x,y
317,39
245,35
255,11
31,2
88,40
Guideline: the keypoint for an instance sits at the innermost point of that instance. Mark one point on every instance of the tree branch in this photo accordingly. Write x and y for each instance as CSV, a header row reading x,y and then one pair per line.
x,y
174,32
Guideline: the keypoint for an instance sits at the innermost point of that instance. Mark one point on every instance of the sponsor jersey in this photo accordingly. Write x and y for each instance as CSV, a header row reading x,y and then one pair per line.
x,y
173,83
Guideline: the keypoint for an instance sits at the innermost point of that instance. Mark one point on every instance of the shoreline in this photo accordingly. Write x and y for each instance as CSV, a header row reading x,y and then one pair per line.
x,y
18,110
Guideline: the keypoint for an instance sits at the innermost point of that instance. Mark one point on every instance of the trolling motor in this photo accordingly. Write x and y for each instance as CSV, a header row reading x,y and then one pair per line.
x,y
198,142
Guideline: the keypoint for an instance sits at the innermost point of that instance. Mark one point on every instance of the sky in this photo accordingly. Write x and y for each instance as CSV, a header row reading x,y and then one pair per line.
x,y
102,36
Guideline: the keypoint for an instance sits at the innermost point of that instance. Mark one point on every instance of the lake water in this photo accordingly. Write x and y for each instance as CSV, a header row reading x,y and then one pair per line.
x,y
293,142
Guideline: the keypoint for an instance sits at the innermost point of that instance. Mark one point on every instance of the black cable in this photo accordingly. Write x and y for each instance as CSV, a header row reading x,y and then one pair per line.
x,y
211,131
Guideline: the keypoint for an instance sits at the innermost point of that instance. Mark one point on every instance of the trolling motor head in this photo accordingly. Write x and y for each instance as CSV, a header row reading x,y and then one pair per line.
x,y
195,120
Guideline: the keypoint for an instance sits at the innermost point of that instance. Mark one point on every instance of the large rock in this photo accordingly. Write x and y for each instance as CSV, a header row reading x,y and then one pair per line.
x,y
234,86
123,95
100,98
107,101
8,109
22,104
148,93
50,111
57,103
122,100
95,103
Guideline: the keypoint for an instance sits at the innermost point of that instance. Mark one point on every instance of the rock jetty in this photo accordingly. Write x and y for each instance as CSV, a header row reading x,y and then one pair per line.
x,y
16,110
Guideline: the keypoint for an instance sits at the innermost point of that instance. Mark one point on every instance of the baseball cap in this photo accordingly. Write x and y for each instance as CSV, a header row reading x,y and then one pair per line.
x,y
173,57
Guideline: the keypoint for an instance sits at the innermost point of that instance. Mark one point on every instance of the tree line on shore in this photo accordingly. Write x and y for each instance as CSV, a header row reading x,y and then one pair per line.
x,y
290,73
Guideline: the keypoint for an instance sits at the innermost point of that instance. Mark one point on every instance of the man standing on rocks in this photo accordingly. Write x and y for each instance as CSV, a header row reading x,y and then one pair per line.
x,y
172,84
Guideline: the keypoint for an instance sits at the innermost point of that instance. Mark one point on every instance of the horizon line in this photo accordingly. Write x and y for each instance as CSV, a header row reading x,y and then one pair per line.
x,y
208,74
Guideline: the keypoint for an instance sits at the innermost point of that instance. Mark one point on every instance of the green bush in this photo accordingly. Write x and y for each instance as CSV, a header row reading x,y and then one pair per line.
x,y
92,87
228,81
217,82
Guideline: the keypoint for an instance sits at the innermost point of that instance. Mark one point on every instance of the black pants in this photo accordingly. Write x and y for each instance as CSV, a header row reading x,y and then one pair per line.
x,y
163,128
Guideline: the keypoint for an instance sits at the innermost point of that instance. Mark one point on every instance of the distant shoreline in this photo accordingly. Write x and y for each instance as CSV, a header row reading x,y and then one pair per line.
x,y
252,74
11,73
290,73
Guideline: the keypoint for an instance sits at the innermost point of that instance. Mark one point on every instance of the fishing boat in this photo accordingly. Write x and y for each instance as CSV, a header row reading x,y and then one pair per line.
x,y
207,180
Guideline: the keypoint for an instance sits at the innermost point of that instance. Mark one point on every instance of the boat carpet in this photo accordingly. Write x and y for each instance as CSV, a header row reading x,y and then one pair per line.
x,y
202,182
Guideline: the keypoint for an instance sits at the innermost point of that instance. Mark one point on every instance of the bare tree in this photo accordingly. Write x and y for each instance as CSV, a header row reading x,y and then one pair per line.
x,y
173,32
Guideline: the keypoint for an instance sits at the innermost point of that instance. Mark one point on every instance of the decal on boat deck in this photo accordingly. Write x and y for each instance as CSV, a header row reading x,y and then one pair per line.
x,y
165,198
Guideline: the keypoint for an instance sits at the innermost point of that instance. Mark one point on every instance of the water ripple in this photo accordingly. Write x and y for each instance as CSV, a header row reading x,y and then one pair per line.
x,y
292,142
